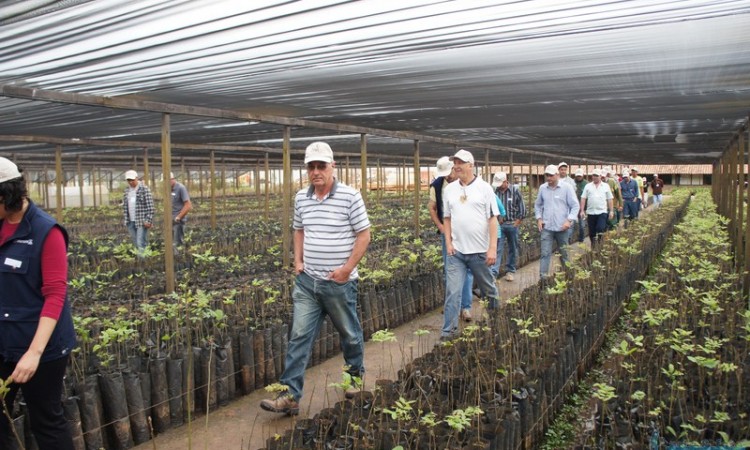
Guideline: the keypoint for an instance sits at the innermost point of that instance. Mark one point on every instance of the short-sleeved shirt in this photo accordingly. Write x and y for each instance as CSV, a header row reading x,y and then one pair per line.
x,y
596,198
331,226
179,197
469,208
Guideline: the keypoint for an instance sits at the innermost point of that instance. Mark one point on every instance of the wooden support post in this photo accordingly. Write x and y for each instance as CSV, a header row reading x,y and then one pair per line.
x,y
166,161
80,182
212,187
58,184
287,193
417,188
740,162
528,203
363,188
146,170
267,192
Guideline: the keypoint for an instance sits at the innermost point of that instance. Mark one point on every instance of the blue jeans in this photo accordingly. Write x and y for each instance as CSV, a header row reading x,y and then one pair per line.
x,y
313,299
139,235
597,224
466,295
657,199
509,232
548,238
581,230
178,234
457,267
631,208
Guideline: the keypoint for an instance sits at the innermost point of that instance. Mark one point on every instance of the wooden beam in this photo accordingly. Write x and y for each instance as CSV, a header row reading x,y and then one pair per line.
x,y
122,102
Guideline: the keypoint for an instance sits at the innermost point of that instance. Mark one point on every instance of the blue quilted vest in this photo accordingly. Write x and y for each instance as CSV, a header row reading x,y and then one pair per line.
x,y
21,299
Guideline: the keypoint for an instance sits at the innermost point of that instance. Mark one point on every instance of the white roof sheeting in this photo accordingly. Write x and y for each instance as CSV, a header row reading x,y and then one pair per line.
x,y
643,80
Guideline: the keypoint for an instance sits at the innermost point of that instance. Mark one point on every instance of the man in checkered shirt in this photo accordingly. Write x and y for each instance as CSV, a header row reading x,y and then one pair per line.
x,y
138,210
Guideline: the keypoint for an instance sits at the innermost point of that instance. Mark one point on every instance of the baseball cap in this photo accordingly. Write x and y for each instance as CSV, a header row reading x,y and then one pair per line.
x,y
656,175
443,166
318,151
171,175
551,170
499,179
626,173
131,175
579,173
8,170
596,172
562,164
634,169
464,156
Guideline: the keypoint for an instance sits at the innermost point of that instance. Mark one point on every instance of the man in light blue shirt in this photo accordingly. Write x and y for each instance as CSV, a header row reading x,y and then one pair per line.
x,y
556,210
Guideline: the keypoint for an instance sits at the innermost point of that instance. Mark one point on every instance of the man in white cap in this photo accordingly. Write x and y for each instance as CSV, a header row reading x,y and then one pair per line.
x,y
331,235
138,211
657,187
470,220
181,205
596,207
562,171
556,210
631,196
444,176
515,211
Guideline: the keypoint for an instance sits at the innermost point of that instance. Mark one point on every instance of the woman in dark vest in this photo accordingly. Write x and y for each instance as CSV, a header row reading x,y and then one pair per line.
x,y
36,327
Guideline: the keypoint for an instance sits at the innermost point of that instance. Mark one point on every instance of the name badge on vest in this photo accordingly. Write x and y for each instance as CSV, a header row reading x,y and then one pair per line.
x,y
14,263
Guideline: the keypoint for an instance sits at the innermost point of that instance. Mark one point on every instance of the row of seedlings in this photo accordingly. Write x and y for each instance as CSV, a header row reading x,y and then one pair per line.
x,y
677,374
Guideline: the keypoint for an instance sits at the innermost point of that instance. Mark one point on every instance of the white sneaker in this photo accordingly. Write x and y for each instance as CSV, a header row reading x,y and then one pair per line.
x,y
509,276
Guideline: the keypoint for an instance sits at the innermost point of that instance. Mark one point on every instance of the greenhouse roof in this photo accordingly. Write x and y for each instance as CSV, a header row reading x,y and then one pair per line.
x,y
642,81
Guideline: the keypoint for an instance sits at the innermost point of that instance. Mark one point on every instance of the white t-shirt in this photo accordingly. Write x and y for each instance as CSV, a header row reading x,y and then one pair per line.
x,y
131,203
596,198
469,208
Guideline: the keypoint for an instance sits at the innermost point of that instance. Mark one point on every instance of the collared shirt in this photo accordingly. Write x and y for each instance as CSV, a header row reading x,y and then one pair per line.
x,y
144,205
513,202
469,208
630,189
596,198
555,205
331,226
179,197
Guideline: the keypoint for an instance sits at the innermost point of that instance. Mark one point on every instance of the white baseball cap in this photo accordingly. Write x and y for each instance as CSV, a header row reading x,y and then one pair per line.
x,y
443,166
550,170
318,151
579,173
626,173
8,170
499,179
131,175
562,164
464,156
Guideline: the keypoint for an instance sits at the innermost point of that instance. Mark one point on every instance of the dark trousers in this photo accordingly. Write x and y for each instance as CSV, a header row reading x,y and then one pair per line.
x,y
597,226
43,394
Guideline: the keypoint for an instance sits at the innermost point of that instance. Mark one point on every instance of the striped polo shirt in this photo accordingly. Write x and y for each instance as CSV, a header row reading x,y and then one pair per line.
x,y
331,226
